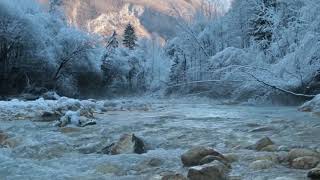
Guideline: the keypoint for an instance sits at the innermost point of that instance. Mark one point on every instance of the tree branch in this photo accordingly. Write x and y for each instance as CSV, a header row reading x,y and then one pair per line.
x,y
280,89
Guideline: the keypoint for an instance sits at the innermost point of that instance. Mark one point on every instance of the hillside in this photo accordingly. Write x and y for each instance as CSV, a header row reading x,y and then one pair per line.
x,y
148,16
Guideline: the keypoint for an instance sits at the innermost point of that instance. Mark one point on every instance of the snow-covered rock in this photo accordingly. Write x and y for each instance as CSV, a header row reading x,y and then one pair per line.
x,y
50,95
311,106
74,118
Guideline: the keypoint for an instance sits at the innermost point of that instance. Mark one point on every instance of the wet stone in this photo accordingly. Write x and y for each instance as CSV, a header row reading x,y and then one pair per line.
x,y
296,153
193,156
127,144
262,143
306,162
212,171
314,173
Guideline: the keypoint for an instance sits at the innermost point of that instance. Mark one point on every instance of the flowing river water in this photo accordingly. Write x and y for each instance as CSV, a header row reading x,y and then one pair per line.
x,y
169,128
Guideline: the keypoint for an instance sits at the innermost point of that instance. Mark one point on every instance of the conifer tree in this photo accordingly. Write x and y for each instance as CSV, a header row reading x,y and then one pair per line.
x,y
261,24
113,42
129,37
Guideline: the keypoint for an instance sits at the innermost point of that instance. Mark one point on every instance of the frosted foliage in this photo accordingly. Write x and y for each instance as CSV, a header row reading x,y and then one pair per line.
x,y
39,42
223,50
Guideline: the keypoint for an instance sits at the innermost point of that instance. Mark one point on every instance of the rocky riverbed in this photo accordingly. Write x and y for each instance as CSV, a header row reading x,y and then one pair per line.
x,y
156,139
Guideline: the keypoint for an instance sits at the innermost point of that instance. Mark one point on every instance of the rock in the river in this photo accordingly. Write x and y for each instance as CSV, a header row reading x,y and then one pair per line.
x,y
193,156
3,138
314,173
50,95
212,171
261,164
262,143
311,106
296,153
128,144
306,162
73,117
48,116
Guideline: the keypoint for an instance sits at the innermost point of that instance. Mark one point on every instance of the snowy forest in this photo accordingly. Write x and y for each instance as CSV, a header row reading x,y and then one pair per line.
x,y
160,90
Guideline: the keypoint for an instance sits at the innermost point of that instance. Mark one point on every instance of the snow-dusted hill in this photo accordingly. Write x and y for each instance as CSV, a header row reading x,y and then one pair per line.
x,y
148,16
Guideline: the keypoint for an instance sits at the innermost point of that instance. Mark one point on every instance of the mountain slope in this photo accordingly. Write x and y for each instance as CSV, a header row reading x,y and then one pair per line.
x,y
148,16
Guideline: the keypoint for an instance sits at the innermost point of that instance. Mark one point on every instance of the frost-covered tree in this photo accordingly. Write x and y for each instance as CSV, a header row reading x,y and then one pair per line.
x,y
113,42
129,37
261,22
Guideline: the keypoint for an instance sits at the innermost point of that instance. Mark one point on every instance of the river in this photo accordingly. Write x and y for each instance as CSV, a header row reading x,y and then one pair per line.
x,y
169,128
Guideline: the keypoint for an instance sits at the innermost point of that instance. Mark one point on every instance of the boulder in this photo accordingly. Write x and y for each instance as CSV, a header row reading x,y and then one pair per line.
x,y
314,173
296,153
262,143
193,156
261,164
127,144
306,162
212,171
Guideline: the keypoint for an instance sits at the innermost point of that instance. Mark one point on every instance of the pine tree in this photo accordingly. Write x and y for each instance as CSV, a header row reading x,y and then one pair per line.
x,y
261,23
112,42
129,37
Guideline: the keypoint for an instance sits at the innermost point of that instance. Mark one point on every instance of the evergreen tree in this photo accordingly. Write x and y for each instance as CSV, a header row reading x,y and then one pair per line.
x,y
112,42
129,37
261,23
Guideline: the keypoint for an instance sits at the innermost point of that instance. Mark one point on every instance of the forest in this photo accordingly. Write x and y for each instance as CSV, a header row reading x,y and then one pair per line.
x,y
246,75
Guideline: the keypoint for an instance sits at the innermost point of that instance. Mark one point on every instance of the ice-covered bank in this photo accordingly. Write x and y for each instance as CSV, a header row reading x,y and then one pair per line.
x,y
144,139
